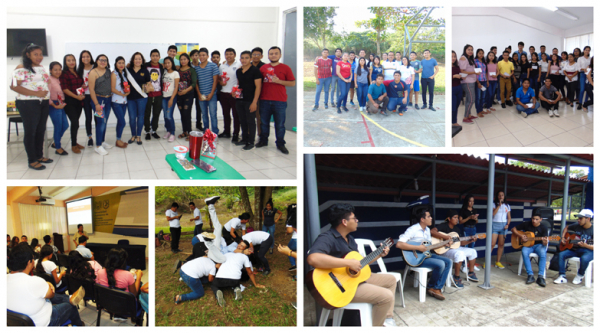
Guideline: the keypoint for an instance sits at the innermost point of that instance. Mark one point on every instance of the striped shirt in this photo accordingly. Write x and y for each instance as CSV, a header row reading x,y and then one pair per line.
x,y
205,77
481,76
323,68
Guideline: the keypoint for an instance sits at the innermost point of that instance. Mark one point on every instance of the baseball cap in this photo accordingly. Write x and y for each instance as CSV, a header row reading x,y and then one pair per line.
x,y
586,213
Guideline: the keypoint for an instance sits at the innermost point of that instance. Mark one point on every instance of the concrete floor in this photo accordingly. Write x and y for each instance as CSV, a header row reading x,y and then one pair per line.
x,y
510,303
327,128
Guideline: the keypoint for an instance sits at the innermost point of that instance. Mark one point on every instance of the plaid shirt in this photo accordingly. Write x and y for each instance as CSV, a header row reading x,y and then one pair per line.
x,y
323,68
70,81
481,76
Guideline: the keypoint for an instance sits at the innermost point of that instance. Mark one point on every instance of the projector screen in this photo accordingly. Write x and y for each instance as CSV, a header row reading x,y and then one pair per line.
x,y
80,212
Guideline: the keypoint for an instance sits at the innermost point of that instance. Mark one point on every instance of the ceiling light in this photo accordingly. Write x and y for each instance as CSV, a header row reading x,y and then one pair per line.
x,y
567,15
552,8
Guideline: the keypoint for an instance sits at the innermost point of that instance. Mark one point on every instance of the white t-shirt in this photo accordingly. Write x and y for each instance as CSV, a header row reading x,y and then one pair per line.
x,y
406,74
256,237
583,62
230,74
388,70
25,294
502,214
199,268
571,68
168,83
197,214
232,267
49,266
294,234
200,238
235,223
175,222
415,233
86,74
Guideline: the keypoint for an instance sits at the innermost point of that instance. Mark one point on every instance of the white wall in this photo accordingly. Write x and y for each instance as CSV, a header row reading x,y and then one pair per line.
x,y
581,30
237,27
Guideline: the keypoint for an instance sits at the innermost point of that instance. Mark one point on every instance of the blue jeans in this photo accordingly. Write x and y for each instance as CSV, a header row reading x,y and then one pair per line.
x,y
60,123
277,110
585,256
529,110
457,93
120,111
271,231
62,311
533,84
498,228
361,94
144,301
137,110
194,284
480,96
427,84
324,83
538,249
582,79
210,107
394,102
197,230
293,247
490,93
335,82
440,267
470,232
169,121
344,87
101,122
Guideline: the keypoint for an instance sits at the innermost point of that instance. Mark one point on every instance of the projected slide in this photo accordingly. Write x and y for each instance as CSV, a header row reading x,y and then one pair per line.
x,y
80,212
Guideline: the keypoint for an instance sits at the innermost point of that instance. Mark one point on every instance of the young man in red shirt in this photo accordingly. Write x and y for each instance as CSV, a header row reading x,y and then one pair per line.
x,y
323,76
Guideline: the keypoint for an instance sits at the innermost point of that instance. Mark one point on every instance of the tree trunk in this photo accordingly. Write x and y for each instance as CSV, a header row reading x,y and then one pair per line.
x,y
257,208
268,191
246,203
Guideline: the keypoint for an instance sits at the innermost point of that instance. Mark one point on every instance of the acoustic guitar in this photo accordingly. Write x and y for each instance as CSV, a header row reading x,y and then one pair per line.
x,y
518,243
455,239
415,258
335,288
573,239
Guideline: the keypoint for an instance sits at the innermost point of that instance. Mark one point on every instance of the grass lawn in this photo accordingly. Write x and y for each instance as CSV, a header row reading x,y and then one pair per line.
x,y
311,85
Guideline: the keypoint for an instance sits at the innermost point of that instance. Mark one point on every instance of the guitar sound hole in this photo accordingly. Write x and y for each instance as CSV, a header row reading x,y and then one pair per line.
x,y
352,273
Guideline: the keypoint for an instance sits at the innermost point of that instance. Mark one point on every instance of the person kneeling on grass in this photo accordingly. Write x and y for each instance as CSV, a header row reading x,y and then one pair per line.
x,y
196,272
260,242
229,274
203,245
36,298
526,96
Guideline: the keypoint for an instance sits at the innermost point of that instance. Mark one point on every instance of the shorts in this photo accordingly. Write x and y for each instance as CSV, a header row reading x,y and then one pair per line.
x,y
416,86
498,228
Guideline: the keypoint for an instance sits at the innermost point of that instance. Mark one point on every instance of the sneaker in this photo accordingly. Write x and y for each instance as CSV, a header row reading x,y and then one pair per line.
x,y
315,108
524,114
220,298
409,104
577,279
238,293
509,103
212,200
339,110
541,281
431,108
345,108
284,150
171,138
119,319
499,265
457,281
148,137
556,113
100,150
166,135
265,273
530,279
333,105
106,145
291,269
235,138
579,106
77,296
416,106
472,277
261,144
248,146
476,269
326,106
464,269
240,143
389,322
383,112
351,103
551,113
90,142
503,105
155,135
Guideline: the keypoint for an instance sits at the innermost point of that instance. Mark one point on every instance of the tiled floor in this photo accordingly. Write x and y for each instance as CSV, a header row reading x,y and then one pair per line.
x,y
507,128
148,160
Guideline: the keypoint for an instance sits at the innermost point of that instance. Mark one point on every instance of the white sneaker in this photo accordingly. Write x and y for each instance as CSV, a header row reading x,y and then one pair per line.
x,y
524,114
556,113
171,138
106,145
476,269
100,150
561,279
577,279
389,322
166,135
551,113
465,270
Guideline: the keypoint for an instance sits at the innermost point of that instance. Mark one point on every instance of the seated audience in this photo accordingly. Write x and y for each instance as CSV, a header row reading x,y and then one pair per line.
x,y
82,268
85,252
45,265
583,250
115,275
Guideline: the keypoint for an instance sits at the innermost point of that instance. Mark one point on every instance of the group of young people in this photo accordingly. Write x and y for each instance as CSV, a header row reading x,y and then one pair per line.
x,y
381,84
527,80
225,259
36,285
145,88
330,248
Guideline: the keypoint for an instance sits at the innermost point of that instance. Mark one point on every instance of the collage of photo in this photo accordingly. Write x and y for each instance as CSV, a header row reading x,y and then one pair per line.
x,y
153,178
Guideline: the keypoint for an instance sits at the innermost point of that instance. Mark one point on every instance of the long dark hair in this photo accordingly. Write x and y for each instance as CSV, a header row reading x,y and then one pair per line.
x,y
465,205
79,267
96,62
477,55
172,63
455,63
65,67
14,242
521,59
130,66
270,201
119,73
379,63
496,197
407,61
557,62
464,54
116,259
578,55
44,252
487,58
52,64
81,66
27,63
34,243
187,57
536,57
358,72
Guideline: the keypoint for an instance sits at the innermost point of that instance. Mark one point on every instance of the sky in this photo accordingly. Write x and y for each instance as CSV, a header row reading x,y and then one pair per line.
x,y
346,16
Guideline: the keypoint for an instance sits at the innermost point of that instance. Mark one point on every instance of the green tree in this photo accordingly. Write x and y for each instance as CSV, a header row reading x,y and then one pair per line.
x,y
379,24
318,24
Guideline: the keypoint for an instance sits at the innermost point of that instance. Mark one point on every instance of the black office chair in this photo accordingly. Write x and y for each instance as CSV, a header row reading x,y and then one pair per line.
x,y
123,242
18,319
118,302
15,120
63,260
88,285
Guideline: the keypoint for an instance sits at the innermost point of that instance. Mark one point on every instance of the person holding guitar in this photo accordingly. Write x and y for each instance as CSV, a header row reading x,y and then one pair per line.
x,y
500,223
583,249
540,247
329,250
457,255
439,265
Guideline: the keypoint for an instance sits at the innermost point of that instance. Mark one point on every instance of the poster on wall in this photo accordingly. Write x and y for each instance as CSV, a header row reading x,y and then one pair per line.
x,y
181,48
192,46
106,208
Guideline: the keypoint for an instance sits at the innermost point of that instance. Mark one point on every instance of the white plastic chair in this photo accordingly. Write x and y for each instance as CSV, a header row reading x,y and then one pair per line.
x,y
362,243
420,280
532,255
588,271
365,309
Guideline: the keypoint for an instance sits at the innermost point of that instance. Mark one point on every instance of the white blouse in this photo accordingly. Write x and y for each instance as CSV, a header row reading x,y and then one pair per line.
x,y
37,81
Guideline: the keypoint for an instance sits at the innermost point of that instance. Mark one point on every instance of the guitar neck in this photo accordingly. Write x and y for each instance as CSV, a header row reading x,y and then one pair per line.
x,y
366,260
438,245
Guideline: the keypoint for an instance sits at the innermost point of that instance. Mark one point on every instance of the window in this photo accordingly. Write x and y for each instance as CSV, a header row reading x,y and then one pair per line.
x,y
580,41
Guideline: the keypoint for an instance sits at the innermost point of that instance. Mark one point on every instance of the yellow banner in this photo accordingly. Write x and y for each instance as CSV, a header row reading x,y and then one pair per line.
x,y
105,211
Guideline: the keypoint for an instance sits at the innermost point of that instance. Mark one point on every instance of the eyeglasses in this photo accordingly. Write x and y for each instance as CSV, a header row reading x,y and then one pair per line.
x,y
102,60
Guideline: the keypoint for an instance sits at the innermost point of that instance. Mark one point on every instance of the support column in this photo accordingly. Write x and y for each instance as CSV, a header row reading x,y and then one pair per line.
x,y
489,217
563,221
433,183
311,211
550,188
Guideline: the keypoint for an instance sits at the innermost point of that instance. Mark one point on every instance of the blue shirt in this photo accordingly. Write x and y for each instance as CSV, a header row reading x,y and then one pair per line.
x,y
396,90
84,251
376,71
353,68
416,64
525,97
205,77
428,67
334,61
376,91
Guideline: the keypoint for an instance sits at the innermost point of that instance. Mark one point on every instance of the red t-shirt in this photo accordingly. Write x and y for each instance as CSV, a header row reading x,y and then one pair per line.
x,y
273,91
345,69
323,68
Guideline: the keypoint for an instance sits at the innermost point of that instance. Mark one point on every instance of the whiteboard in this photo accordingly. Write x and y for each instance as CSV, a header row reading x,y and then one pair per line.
x,y
113,50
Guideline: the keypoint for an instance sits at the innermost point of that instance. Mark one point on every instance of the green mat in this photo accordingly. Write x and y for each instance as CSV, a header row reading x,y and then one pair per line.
x,y
224,170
